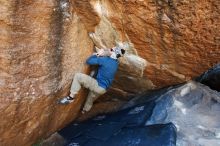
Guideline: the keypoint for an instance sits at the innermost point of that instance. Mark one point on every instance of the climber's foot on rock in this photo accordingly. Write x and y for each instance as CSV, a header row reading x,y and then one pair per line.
x,y
66,100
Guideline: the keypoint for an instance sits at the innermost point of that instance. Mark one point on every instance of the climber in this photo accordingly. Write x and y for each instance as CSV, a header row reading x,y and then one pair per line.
x,y
107,67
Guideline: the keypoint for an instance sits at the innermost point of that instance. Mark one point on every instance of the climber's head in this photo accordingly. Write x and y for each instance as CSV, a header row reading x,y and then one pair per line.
x,y
117,52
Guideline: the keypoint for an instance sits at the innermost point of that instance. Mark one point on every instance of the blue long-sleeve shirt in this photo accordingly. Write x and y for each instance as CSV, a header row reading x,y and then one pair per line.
x,y
106,71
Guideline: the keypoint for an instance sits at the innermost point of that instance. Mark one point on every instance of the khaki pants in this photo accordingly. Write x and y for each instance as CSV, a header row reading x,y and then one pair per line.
x,y
89,83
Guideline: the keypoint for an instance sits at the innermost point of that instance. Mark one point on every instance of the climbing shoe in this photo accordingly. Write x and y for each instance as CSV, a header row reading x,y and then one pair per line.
x,y
65,100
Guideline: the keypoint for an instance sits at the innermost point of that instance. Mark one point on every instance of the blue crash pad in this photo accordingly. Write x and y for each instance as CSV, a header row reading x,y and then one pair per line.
x,y
111,123
134,116
122,128
75,129
154,135
105,130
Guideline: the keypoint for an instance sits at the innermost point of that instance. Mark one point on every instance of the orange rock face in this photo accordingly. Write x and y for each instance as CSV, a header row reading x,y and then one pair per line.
x,y
44,43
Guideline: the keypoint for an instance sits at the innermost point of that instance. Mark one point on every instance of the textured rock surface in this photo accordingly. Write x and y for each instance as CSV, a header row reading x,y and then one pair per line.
x,y
44,43
41,49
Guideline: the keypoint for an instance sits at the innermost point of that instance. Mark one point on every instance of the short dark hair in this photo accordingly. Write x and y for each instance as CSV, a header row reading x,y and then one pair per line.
x,y
122,53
